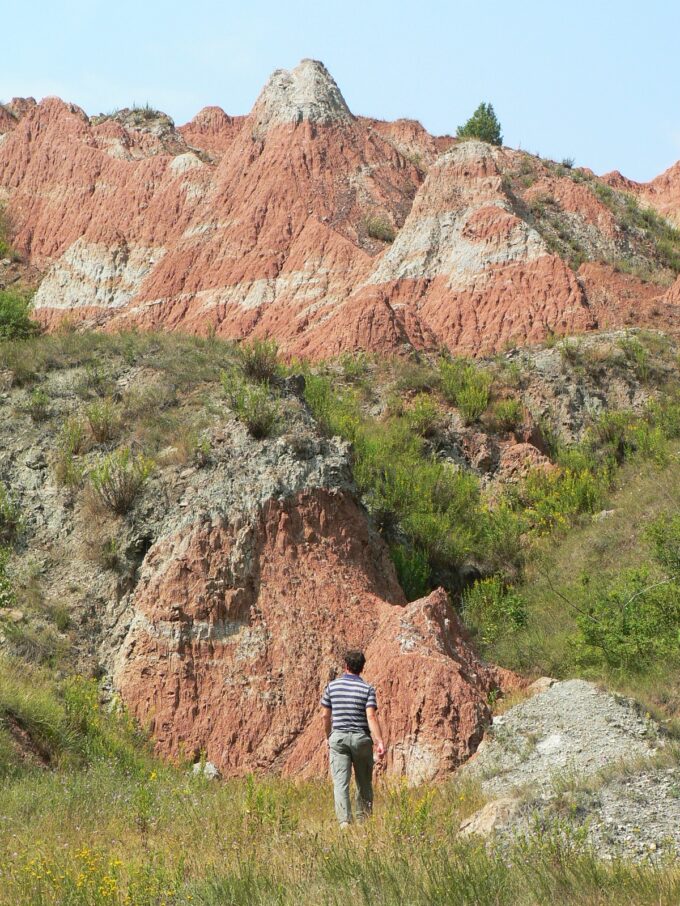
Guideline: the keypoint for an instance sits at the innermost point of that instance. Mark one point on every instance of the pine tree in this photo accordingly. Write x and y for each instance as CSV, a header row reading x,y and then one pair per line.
x,y
484,125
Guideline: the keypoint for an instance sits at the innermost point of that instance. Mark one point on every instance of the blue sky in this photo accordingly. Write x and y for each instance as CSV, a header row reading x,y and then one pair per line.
x,y
599,82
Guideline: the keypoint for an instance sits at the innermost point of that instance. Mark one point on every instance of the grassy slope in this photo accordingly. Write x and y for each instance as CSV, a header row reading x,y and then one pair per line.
x,y
596,551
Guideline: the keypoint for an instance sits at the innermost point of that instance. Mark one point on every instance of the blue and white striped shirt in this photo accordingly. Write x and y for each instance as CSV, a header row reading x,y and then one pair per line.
x,y
348,696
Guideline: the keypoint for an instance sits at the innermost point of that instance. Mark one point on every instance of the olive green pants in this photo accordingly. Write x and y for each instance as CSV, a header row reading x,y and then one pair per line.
x,y
349,749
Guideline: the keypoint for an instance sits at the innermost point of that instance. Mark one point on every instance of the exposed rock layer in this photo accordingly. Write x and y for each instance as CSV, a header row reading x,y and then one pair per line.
x,y
276,223
238,626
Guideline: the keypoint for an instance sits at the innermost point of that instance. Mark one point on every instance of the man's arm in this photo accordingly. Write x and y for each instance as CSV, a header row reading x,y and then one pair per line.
x,y
327,720
376,731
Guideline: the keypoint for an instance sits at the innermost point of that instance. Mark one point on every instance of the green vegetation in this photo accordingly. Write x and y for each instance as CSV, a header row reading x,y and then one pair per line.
x,y
482,125
259,359
664,238
15,319
466,386
118,479
380,228
6,250
253,404
107,824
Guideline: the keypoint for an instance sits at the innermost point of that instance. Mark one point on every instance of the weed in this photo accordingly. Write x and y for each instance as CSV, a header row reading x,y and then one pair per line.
x,y
253,404
380,228
492,609
104,419
506,415
259,359
15,319
118,479
423,415
10,517
413,571
38,406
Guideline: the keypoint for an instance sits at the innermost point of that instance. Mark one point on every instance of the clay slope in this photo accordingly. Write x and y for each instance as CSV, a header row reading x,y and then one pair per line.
x,y
280,223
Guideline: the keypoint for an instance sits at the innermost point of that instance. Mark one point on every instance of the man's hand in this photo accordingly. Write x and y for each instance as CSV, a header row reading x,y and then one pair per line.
x,y
380,750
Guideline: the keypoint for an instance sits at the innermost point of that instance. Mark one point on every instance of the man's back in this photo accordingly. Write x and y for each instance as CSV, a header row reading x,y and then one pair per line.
x,y
348,696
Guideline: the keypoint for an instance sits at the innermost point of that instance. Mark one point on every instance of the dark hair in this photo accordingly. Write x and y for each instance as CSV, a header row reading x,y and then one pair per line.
x,y
355,660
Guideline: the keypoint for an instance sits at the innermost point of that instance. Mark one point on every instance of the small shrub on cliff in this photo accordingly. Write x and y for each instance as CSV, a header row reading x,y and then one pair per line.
x,y
492,609
15,319
506,415
482,125
118,479
73,437
380,228
466,387
633,624
253,404
259,359
104,420
413,571
10,516
38,406
423,415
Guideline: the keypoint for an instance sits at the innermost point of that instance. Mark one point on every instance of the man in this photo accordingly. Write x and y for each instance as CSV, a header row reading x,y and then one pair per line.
x,y
350,720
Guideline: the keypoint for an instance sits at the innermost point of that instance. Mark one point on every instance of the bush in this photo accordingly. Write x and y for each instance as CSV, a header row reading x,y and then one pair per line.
x,y
380,228
252,404
73,437
104,420
7,595
38,405
633,624
506,415
118,479
482,125
423,415
466,387
492,609
15,320
259,359
413,571
10,517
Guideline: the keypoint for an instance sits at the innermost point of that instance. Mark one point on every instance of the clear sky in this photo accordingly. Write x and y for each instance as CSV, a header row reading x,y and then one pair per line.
x,y
596,81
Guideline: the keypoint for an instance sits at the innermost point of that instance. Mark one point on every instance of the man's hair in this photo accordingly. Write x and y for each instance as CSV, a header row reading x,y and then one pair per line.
x,y
355,660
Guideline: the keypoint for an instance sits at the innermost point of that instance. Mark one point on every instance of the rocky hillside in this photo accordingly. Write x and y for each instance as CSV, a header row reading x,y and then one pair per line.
x,y
329,231
186,520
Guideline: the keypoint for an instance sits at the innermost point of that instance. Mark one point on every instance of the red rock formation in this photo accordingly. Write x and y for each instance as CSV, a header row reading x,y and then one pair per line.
x,y
238,627
263,224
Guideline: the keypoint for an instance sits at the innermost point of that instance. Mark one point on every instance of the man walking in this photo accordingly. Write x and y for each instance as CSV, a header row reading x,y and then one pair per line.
x,y
350,720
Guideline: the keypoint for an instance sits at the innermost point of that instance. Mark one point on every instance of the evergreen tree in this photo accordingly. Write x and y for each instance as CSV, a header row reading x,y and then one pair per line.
x,y
484,125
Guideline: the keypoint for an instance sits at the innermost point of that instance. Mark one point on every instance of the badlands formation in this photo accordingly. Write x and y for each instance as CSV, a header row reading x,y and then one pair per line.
x,y
331,233
281,223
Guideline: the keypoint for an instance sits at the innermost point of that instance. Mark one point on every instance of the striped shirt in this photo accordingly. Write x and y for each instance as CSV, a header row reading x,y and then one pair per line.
x,y
348,696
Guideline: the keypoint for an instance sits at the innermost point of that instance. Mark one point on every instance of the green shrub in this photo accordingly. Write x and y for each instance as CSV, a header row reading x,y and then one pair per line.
x,y
473,399
67,470
380,228
118,479
482,125
413,571
423,415
104,420
259,359
506,415
638,357
10,517
38,406
73,437
465,386
6,250
551,499
633,624
7,594
15,320
492,609
253,404
664,535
